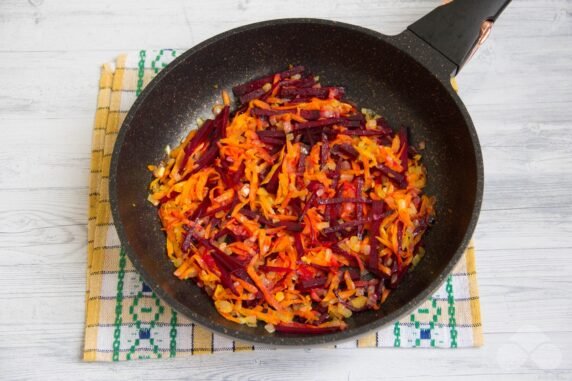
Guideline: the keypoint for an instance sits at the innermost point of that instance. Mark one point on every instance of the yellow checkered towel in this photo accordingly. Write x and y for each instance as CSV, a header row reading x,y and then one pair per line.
x,y
125,320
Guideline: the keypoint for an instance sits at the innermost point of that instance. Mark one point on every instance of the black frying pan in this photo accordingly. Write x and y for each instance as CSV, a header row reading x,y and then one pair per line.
x,y
406,78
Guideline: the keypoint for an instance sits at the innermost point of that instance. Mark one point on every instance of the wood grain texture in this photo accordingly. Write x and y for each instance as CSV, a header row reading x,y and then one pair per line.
x,y
518,90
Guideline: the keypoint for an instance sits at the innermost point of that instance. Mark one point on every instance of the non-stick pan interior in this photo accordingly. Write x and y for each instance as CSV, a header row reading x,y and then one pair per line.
x,y
375,74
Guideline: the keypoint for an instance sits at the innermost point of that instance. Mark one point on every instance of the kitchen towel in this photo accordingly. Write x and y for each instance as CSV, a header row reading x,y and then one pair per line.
x,y
125,320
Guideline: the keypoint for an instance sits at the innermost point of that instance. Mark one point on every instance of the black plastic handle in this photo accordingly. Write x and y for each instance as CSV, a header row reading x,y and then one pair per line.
x,y
457,28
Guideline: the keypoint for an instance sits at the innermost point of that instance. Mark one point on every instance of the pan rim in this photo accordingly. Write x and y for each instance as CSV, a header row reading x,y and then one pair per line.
x,y
290,341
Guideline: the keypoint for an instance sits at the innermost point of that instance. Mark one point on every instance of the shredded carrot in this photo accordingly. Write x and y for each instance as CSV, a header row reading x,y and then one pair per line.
x,y
295,210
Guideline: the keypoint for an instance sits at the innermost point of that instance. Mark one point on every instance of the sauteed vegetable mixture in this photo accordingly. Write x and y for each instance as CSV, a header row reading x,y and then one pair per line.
x,y
297,209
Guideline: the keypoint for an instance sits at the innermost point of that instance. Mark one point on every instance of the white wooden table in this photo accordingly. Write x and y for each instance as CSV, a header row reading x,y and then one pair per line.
x,y
518,90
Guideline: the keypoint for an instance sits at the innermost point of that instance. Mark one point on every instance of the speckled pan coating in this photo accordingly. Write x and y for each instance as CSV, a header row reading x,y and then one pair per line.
x,y
399,76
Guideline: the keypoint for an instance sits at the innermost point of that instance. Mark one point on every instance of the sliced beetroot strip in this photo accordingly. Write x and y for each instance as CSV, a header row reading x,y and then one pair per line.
x,y
338,250
273,268
255,84
301,166
397,277
236,176
377,211
363,133
325,150
341,200
222,121
344,226
346,149
201,136
298,244
319,92
308,284
259,82
397,177
252,95
310,114
272,141
222,233
272,134
186,245
262,112
308,205
299,83
272,185
403,139
225,278
292,226
383,125
257,217
318,123
359,206
292,71
305,329
223,207
201,208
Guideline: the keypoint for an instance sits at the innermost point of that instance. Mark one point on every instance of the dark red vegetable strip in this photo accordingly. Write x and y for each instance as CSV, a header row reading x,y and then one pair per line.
x,y
344,226
310,114
359,206
304,329
346,149
383,125
225,278
252,95
308,284
301,166
255,84
299,245
272,185
300,83
259,82
397,277
272,134
338,250
318,123
273,268
363,133
262,112
308,204
226,261
201,208
257,217
223,207
377,210
399,235
325,269
201,136
354,273
329,212
222,233
292,226
186,245
222,120
295,206
319,92
404,148
325,150
397,177
272,141
292,71
341,200
236,176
